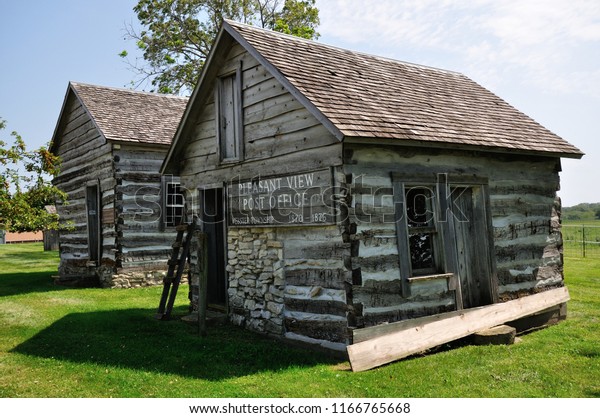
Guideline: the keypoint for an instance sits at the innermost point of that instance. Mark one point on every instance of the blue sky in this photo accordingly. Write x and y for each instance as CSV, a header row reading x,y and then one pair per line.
x,y
541,56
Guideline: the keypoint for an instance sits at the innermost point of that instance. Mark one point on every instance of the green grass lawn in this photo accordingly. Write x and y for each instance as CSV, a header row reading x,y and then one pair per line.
x,y
59,342
590,222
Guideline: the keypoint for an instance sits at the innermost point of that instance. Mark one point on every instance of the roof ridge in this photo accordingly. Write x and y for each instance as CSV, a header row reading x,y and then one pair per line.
x,y
234,23
126,90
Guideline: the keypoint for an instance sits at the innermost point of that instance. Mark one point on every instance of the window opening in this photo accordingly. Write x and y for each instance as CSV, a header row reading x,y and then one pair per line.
x,y
174,204
421,229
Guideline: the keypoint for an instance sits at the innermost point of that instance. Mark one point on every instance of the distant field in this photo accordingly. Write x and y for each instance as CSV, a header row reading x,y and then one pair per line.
x,y
583,212
594,222
581,239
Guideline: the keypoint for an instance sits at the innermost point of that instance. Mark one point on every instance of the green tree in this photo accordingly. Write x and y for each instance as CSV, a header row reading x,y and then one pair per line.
x,y
598,214
26,189
176,35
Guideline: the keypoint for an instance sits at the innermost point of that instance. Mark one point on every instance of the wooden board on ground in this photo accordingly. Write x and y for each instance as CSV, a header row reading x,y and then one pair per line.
x,y
424,333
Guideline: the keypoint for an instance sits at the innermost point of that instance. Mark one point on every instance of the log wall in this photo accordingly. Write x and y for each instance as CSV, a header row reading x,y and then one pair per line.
x,y
86,160
527,244
280,135
143,243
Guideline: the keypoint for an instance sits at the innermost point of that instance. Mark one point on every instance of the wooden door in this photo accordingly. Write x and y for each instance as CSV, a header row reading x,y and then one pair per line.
x,y
472,246
92,201
213,220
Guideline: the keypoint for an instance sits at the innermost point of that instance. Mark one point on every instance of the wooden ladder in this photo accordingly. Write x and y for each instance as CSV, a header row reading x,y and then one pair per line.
x,y
179,254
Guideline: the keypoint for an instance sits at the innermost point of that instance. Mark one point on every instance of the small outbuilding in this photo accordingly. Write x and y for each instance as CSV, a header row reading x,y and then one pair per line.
x,y
118,223
50,236
341,191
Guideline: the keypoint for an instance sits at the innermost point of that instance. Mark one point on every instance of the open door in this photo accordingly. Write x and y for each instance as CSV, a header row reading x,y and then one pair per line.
x,y
92,201
213,221
471,227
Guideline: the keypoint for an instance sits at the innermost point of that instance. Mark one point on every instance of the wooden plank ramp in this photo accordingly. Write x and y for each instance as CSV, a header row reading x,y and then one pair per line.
x,y
405,338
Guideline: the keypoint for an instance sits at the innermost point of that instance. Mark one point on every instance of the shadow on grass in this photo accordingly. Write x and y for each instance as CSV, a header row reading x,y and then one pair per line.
x,y
133,339
13,284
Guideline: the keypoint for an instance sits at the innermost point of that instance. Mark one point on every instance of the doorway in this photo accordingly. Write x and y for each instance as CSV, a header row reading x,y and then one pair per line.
x,y
474,262
213,221
92,201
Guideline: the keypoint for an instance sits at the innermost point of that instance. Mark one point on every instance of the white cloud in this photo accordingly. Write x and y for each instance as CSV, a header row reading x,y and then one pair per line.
x,y
541,42
538,22
422,23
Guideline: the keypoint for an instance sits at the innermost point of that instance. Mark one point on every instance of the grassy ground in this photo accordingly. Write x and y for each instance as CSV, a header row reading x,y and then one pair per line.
x,y
58,342
589,222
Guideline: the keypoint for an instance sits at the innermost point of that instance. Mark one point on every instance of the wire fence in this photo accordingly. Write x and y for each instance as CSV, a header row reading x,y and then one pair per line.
x,y
581,241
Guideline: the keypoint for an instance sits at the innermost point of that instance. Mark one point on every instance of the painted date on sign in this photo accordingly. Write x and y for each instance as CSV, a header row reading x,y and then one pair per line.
x,y
296,218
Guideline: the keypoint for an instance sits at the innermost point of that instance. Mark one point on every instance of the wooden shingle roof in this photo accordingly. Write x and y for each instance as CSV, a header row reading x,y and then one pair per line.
x,y
373,98
130,116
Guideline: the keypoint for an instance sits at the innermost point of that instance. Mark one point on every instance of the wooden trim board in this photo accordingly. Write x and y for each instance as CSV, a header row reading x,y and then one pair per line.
x,y
423,333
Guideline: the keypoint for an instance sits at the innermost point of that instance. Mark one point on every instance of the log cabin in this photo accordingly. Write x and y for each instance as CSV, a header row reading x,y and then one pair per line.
x,y
120,215
342,191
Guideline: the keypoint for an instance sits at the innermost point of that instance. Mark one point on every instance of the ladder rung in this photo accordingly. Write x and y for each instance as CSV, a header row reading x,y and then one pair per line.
x,y
171,281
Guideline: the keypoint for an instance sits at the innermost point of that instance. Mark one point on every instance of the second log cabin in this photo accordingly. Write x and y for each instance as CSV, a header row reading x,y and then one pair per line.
x,y
120,216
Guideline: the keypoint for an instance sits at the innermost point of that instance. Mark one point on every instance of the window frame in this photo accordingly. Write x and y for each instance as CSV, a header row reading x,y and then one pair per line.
x,y
238,126
442,185
168,206
445,261
430,229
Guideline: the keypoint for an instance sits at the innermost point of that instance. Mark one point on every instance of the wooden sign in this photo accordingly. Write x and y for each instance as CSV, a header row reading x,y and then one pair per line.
x,y
108,216
294,199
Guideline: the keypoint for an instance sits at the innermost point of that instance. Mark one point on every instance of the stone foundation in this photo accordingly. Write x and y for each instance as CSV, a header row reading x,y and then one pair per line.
x,y
139,279
256,280
82,275
310,305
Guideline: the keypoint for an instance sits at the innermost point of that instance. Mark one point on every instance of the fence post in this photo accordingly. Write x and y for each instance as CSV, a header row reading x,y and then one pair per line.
x,y
583,242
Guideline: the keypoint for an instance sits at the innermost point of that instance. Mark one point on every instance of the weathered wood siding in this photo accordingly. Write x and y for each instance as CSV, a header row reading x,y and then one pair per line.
x,y
317,284
132,237
527,244
280,135
282,280
142,241
86,160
